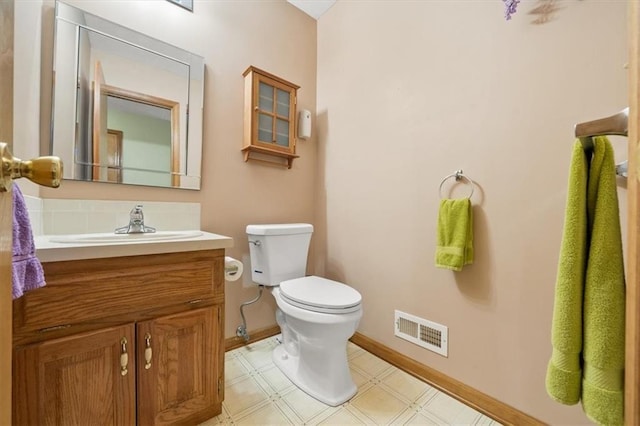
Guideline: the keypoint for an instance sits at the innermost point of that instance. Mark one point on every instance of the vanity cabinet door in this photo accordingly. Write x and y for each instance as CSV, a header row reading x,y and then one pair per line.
x,y
84,379
178,370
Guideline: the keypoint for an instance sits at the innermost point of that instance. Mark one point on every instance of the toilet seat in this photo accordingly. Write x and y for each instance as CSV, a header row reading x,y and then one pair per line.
x,y
319,294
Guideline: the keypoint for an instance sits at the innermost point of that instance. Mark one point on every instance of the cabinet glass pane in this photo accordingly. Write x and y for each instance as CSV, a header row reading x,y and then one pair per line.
x,y
265,128
283,98
282,132
265,95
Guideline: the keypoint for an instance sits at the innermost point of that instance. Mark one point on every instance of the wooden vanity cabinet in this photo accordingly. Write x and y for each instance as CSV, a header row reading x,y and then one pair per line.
x,y
179,380
75,380
89,361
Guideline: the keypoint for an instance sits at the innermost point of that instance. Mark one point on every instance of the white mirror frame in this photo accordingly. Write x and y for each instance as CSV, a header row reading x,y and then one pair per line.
x,y
65,65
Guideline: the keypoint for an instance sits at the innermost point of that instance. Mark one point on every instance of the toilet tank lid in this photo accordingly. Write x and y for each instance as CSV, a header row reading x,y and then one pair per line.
x,y
280,229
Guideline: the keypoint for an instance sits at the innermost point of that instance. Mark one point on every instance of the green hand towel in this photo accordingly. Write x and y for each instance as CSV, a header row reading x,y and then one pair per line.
x,y
564,373
604,295
587,362
455,234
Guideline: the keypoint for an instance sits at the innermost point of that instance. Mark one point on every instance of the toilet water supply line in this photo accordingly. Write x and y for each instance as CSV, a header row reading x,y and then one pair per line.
x,y
241,331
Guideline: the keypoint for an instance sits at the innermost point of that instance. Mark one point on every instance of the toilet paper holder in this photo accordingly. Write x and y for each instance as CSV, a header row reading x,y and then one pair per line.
x,y
231,270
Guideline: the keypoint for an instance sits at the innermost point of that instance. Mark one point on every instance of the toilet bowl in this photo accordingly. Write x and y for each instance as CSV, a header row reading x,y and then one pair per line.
x,y
317,316
314,350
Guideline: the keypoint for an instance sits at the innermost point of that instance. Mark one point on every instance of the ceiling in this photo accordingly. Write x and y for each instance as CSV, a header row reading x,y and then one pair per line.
x,y
313,8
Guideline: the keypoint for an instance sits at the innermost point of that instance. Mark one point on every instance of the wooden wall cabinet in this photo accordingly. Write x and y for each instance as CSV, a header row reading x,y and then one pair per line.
x,y
131,340
269,117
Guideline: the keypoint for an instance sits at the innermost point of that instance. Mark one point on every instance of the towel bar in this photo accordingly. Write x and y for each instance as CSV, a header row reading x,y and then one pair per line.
x,y
459,174
616,124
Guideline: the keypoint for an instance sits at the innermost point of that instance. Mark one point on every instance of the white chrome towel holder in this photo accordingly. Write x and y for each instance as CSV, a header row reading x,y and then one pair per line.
x,y
458,175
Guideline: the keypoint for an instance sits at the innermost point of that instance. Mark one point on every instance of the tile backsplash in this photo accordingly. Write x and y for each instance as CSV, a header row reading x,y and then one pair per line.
x,y
34,207
51,216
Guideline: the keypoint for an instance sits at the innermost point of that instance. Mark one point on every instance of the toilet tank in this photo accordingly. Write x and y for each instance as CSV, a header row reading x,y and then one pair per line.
x,y
278,251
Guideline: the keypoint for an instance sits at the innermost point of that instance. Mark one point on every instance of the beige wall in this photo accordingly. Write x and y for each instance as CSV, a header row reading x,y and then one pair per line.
x,y
272,35
410,91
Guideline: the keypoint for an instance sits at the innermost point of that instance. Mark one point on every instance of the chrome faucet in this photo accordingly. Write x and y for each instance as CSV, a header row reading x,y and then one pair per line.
x,y
136,223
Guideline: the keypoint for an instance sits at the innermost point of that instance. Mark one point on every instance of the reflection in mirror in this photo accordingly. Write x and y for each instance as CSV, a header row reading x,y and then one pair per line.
x,y
135,114
136,137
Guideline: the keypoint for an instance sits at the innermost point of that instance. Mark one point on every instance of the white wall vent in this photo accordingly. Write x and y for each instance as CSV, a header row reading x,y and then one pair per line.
x,y
428,334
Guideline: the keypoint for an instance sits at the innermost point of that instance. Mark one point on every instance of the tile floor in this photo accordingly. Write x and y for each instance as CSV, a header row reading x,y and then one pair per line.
x,y
257,393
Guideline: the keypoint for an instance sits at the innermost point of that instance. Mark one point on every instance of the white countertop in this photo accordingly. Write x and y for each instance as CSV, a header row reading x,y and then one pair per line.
x,y
50,249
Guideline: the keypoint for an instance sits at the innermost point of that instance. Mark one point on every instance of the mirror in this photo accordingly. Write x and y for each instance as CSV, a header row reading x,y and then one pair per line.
x,y
127,108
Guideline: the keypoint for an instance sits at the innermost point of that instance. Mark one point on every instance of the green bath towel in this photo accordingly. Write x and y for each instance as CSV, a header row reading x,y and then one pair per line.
x,y
587,362
455,234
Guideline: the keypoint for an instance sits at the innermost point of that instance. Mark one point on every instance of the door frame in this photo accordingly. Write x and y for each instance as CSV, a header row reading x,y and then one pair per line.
x,y
632,332
6,210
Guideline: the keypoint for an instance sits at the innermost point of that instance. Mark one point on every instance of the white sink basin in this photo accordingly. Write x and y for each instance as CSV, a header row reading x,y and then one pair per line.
x,y
128,238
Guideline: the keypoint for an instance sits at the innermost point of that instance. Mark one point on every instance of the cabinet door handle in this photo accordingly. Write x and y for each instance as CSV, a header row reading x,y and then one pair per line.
x,y
124,357
148,352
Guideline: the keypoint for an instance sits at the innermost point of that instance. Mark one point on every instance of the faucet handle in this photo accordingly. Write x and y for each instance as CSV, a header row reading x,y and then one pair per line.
x,y
136,223
136,213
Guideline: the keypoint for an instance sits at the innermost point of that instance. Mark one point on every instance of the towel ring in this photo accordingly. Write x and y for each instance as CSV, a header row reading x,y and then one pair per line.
x,y
457,175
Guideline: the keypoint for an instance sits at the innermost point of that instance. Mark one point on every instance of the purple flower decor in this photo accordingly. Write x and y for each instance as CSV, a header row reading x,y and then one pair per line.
x,y
510,8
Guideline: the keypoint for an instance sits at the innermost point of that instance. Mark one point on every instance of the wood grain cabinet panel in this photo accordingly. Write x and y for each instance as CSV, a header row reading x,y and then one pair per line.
x,y
83,290
181,374
76,380
122,341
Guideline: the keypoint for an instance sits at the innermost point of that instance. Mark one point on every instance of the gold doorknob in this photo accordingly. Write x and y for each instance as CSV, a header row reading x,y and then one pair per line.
x,y
45,171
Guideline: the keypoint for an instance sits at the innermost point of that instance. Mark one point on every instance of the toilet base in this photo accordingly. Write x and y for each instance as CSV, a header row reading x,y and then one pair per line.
x,y
290,366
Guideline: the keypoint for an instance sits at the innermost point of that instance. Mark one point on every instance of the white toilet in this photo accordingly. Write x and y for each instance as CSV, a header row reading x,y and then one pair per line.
x,y
317,316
